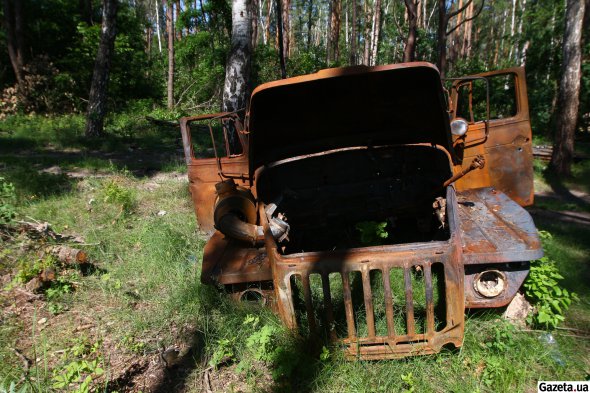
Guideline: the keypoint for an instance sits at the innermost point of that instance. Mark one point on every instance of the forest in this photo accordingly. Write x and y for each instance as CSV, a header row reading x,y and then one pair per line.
x,y
100,252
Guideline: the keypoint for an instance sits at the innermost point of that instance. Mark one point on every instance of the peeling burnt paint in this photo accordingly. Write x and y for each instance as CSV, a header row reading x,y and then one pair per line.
x,y
480,226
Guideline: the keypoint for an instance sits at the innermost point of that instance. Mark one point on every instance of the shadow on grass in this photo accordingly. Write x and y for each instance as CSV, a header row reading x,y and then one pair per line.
x,y
570,248
563,191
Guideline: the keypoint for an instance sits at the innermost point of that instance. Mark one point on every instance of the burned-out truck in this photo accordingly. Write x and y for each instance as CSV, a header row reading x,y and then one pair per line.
x,y
369,206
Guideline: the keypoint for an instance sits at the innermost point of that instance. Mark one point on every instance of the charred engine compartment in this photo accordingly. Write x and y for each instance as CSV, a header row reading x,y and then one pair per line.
x,y
328,199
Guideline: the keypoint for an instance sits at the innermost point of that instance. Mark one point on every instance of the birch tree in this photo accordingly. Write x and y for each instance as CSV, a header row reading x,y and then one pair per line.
x,y
97,101
237,70
569,89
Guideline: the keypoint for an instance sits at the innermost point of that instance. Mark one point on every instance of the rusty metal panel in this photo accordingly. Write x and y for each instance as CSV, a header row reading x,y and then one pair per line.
x,y
204,173
363,261
495,229
228,261
506,147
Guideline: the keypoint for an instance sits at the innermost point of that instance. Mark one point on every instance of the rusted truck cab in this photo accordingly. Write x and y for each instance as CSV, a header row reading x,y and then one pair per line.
x,y
369,205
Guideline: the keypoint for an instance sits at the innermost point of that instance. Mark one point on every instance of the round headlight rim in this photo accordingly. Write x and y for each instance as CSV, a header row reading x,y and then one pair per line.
x,y
461,122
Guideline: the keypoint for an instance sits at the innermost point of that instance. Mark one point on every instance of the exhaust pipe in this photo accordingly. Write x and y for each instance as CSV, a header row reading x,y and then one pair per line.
x,y
235,215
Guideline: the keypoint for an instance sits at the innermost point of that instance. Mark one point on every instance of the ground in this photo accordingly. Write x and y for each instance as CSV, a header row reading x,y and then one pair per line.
x,y
136,318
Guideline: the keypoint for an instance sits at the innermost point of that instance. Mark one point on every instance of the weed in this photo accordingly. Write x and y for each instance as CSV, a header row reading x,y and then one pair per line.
x,y
372,233
77,371
550,299
118,195
29,269
408,383
133,344
325,354
7,201
494,370
11,387
77,374
224,352
502,338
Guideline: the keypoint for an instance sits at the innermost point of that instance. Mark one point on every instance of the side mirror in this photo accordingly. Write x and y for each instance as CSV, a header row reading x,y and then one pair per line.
x,y
459,127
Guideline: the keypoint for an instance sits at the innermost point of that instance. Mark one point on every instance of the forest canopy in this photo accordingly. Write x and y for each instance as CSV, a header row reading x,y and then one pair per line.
x,y
59,41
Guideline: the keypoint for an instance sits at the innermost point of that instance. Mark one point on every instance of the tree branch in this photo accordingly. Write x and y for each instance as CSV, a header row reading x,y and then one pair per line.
x,y
458,11
468,19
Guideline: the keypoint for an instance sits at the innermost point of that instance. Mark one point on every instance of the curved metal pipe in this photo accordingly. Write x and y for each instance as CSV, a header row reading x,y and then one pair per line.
x,y
231,225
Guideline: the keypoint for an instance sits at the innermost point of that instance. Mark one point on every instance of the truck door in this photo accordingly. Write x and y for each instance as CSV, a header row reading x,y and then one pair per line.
x,y
505,140
212,155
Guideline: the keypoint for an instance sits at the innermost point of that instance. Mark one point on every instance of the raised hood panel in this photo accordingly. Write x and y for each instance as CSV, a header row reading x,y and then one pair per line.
x,y
344,107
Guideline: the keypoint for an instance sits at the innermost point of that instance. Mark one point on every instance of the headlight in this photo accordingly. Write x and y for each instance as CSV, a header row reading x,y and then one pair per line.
x,y
458,127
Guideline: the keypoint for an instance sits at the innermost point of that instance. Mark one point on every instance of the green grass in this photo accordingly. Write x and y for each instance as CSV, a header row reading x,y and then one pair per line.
x,y
145,292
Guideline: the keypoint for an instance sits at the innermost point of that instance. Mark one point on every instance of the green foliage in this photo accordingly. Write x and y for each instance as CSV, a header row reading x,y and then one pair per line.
x,y
133,344
543,289
27,269
494,371
325,354
11,387
408,383
372,233
116,194
502,338
82,364
7,201
224,351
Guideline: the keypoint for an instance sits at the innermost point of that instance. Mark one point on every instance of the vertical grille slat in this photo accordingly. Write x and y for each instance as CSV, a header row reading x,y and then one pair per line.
x,y
368,297
409,302
429,299
328,306
308,303
388,303
347,296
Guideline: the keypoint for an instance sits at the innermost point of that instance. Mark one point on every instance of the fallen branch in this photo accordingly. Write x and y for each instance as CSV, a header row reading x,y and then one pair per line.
x,y
30,295
26,364
69,255
574,330
43,229
207,380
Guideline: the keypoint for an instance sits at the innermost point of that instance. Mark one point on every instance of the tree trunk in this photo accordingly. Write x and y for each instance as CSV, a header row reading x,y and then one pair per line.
x,y
368,18
158,26
441,44
376,34
268,15
148,43
170,33
85,8
285,6
569,89
254,13
519,47
334,34
97,101
176,20
280,39
309,22
237,71
13,20
512,25
466,41
410,49
353,35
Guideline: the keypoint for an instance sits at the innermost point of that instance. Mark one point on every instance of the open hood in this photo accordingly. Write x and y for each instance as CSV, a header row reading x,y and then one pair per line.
x,y
344,107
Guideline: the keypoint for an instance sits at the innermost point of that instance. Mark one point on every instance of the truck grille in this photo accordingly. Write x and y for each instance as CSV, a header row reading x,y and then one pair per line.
x,y
389,305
